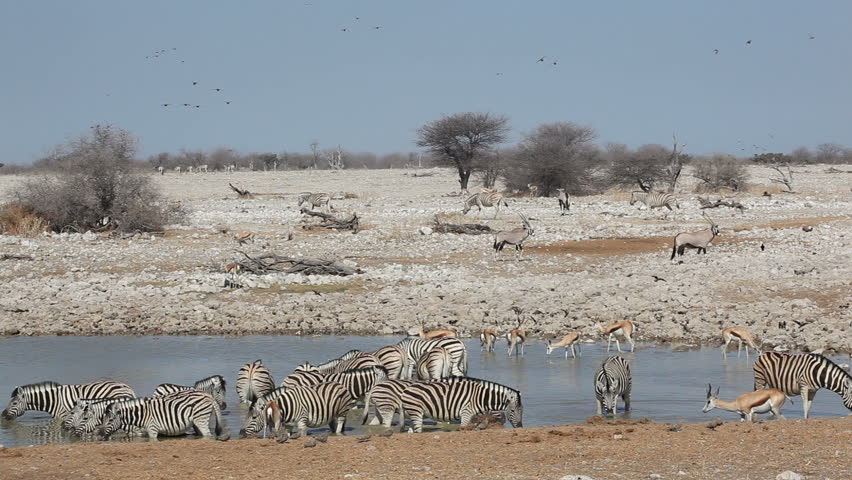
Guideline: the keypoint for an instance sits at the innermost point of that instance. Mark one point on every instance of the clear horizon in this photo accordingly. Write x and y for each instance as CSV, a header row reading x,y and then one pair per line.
x,y
635,72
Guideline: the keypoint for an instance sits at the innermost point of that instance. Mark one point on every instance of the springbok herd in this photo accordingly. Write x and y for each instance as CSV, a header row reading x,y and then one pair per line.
x,y
424,375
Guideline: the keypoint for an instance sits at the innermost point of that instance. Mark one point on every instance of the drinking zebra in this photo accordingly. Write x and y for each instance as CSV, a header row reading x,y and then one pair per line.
x,y
314,200
654,199
214,385
337,365
360,381
302,378
460,398
485,199
415,347
87,415
170,415
58,399
393,359
803,375
434,364
613,380
302,407
387,398
254,381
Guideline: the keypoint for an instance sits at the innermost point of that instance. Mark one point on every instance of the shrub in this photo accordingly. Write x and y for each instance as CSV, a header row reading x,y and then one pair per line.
x,y
91,185
15,219
721,171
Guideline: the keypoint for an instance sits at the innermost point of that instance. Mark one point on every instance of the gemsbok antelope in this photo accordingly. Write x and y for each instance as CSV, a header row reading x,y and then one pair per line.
x,y
568,341
698,240
740,335
515,237
487,338
624,328
767,400
564,201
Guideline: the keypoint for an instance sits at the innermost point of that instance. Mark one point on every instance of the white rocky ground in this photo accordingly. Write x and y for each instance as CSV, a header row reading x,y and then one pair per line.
x,y
595,264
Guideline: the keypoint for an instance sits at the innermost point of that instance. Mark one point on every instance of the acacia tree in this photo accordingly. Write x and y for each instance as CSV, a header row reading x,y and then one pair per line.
x,y
463,140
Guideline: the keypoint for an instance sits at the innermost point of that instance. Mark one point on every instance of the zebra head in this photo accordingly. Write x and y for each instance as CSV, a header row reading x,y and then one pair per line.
x,y
17,405
636,197
217,389
111,421
515,411
608,388
847,392
74,418
711,398
255,420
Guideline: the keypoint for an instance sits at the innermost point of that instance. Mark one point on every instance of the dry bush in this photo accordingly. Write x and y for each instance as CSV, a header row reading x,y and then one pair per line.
x,y
720,171
18,220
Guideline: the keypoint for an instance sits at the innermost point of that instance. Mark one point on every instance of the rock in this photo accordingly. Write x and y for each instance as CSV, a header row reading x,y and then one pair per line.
x,y
617,436
576,477
310,443
715,423
676,427
425,231
788,475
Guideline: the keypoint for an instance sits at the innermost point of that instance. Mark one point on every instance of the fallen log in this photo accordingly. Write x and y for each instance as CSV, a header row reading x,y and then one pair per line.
x,y
11,256
240,193
272,263
721,203
332,222
465,229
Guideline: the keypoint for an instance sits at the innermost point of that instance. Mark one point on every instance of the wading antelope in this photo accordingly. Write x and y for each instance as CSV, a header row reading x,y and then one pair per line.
x,y
740,335
487,339
568,341
437,333
698,240
515,237
624,328
533,189
516,339
564,201
767,400
244,237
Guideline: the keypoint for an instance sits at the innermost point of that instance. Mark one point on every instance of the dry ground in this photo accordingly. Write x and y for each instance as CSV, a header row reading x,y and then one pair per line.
x,y
817,449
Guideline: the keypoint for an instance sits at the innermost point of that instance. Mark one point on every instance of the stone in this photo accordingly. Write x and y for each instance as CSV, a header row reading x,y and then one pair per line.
x,y
788,475
425,231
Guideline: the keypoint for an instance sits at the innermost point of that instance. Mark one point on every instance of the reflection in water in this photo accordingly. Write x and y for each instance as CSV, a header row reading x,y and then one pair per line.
x,y
667,386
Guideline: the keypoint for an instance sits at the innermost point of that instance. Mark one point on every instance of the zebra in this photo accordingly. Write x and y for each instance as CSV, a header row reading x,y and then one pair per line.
x,y
460,398
302,378
360,381
254,381
393,359
387,398
214,385
314,200
485,199
803,375
337,365
612,380
415,347
564,201
87,415
303,407
58,399
434,364
170,415
654,199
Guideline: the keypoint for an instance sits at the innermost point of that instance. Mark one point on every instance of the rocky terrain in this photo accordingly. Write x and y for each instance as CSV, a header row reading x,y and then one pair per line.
x,y
605,261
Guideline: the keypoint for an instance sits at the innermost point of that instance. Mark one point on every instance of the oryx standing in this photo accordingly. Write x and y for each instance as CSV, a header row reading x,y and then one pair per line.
x,y
698,240
564,201
515,237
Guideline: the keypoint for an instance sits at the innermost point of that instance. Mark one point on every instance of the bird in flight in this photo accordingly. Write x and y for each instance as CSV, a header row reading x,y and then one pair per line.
x,y
715,51
811,36
499,73
377,27
357,18
540,60
342,29
227,102
194,83
555,62
218,89
166,104
748,42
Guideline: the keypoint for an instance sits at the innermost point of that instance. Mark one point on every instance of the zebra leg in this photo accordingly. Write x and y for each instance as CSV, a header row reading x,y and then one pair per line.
x,y
416,421
599,405
152,433
302,426
807,400
202,426
626,398
466,416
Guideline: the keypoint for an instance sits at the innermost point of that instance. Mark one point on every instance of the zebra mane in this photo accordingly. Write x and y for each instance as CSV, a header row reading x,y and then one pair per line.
x,y
484,383
130,403
830,363
40,386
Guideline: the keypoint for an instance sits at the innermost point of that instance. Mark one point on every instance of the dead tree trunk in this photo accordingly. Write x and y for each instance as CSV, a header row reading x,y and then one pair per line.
x,y
272,263
467,228
783,178
240,193
331,222
705,203
675,165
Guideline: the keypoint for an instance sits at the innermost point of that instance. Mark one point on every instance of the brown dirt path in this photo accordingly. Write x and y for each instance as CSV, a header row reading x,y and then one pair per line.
x,y
817,448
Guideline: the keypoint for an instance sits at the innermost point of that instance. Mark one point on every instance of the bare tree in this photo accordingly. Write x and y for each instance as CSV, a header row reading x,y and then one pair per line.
x,y
802,155
646,167
721,171
829,153
784,178
675,164
459,140
334,158
315,151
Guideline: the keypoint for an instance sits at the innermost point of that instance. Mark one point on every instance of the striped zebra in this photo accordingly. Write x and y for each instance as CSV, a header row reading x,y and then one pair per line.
x,y
613,380
314,200
803,375
300,407
214,385
415,347
337,365
387,398
170,415
58,399
302,378
654,199
87,415
254,381
460,398
434,364
360,381
485,199
393,359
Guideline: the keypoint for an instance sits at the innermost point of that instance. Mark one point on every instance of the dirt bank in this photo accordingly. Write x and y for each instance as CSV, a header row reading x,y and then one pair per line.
x,y
816,449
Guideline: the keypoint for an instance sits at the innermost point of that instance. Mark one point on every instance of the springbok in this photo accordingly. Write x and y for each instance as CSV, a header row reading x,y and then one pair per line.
x,y
202,168
437,333
487,339
177,169
230,168
233,278
698,240
244,237
740,335
189,169
533,189
516,339
759,401
567,341
624,328
515,237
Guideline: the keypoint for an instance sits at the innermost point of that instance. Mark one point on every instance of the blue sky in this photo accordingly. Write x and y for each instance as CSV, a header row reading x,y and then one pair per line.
x,y
635,71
